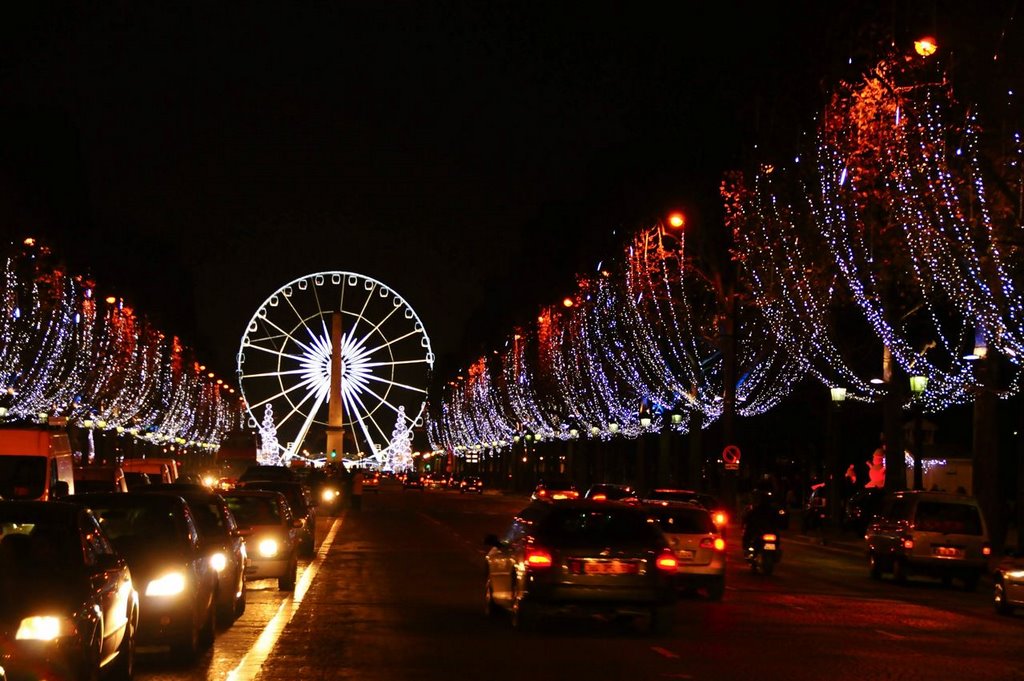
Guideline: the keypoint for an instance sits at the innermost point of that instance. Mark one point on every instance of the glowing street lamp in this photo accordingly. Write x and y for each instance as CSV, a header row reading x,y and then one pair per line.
x,y
918,385
677,220
925,46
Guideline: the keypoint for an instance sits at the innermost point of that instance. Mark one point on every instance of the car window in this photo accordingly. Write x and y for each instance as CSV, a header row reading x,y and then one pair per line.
x,y
684,521
947,518
251,511
94,543
208,518
578,528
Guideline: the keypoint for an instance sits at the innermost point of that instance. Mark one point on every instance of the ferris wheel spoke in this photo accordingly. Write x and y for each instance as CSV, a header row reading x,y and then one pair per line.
x,y
382,399
290,337
302,320
362,412
273,373
303,384
376,327
319,392
304,430
271,351
360,315
396,384
392,342
395,363
270,338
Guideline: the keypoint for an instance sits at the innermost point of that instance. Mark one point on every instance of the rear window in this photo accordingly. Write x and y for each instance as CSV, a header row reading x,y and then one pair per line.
x,y
571,528
684,521
948,518
22,477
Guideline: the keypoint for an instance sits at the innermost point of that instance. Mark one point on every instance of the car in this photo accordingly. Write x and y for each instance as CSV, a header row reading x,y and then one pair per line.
x,y
1008,583
265,472
99,479
371,481
554,488
413,481
222,541
698,544
931,533
70,608
270,532
586,557
158,536
135,480
609,492
303,508
861,507
159,469
471,483
719,511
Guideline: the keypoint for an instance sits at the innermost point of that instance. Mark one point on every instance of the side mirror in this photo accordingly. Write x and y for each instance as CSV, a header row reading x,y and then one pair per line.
x,y
492,540
60,490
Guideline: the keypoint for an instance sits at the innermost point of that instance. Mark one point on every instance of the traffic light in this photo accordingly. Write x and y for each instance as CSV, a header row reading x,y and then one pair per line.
x,y
427,466
334,454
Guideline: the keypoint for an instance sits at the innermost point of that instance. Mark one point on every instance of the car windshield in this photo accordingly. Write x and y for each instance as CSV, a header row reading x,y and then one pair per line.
x,y
576,528
22,477
948,518
684,521
291,492
208,517
150,525
251,511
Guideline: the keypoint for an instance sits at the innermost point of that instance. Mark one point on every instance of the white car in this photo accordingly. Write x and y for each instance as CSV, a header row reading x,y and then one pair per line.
x,y
697,542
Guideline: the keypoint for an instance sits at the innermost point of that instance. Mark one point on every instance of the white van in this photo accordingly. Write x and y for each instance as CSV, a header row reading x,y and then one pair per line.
x,y
159,469
35,464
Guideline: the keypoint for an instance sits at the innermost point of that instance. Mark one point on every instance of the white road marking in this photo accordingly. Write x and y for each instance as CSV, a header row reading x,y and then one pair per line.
x,y
253,660
665,653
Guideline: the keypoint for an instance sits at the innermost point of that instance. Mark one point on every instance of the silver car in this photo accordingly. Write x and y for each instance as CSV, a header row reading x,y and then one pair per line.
x,y
697,542
1008,590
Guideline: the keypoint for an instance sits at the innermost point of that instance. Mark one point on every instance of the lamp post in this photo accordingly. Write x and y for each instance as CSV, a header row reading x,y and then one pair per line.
x,y
834,474
918,384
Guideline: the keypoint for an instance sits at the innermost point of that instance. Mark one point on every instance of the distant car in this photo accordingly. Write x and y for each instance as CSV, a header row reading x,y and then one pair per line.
x,y
371,481
303,509
222,541
930,533
697,542
861,508
70,608
413,481
471,484
1008,587
99,479
584,557
609,492
158,536
271,535
262,472
555,489
718,510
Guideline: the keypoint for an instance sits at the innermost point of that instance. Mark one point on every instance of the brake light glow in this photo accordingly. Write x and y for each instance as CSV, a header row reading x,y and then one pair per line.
x,y
537,557
667,561
986,550
719,544
908,543
719,518
769,537
600,497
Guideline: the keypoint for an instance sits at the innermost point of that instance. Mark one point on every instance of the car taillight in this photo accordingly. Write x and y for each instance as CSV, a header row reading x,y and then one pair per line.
x,y
600,497
908,542
769,537
719,518
542,493
717,543
986,550
666,561
537,557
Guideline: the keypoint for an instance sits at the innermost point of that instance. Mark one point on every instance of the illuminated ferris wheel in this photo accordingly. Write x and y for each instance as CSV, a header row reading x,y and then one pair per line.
x,y
288,350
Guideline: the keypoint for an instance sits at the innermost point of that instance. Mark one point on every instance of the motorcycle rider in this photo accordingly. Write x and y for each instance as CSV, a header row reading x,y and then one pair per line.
x,y
761,517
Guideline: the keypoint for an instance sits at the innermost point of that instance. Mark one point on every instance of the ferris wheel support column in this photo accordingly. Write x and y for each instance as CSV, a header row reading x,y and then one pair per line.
x,y
335,431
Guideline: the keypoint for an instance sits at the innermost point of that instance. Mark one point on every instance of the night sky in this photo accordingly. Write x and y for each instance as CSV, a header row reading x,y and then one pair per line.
x,y
195,156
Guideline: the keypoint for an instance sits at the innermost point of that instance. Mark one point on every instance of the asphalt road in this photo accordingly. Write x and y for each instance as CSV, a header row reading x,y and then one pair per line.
x,y
396,593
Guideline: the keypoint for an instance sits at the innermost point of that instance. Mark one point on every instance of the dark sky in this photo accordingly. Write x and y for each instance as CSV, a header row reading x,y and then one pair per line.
x,y
194,156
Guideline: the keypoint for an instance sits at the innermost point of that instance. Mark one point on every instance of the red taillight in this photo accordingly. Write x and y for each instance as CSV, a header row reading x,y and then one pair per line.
x,y
537,557
667,561
986,550
542,493
719,518
769,537
600,497
719,544
908,543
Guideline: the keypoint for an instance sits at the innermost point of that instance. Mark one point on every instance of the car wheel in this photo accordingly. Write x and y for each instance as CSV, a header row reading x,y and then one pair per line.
x,y
663,618
287,582
124,665
1003,607
717,589
490,607
874,567
899,571
209,630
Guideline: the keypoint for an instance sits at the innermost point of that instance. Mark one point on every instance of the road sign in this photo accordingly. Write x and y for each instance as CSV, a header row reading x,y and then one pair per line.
x,y
731,457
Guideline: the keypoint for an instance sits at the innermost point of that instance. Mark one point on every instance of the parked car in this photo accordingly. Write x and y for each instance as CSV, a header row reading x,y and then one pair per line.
x,y
861,507
1008,589
262,472
35,464
69,608
270,532
554,488
222,541
698,544
302,505
157,534
609,492
471,483
579,556
99,479
931,533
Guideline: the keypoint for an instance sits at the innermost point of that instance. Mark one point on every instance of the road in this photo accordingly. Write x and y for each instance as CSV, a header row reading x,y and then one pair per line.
x,y
396,594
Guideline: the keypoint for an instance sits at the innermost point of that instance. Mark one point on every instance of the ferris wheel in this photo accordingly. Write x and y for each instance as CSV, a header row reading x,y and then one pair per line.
x,y
286,355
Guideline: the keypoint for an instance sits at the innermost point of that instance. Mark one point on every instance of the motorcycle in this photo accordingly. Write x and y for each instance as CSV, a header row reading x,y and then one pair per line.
x,y
763,552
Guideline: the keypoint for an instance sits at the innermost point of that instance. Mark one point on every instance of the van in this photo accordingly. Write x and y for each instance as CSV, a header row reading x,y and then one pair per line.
x,y
158,469
931,533
99,479
35,464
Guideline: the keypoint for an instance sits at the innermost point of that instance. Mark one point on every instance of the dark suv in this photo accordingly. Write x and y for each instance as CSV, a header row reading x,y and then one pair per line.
x,y
582,557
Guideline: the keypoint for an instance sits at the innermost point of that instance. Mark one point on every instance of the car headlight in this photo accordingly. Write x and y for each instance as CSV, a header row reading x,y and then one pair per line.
x,y
329,495
170,584
268,548
218,561
44,628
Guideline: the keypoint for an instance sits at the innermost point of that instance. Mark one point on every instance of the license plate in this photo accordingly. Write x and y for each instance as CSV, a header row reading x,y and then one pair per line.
x,y
948,552
685,554
609,567
769,547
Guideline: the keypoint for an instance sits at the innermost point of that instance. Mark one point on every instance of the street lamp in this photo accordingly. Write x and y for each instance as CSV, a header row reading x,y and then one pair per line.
x,y
918,384
838,397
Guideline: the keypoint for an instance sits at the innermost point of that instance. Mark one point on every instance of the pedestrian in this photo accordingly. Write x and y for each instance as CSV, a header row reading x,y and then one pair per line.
x,y
357,489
